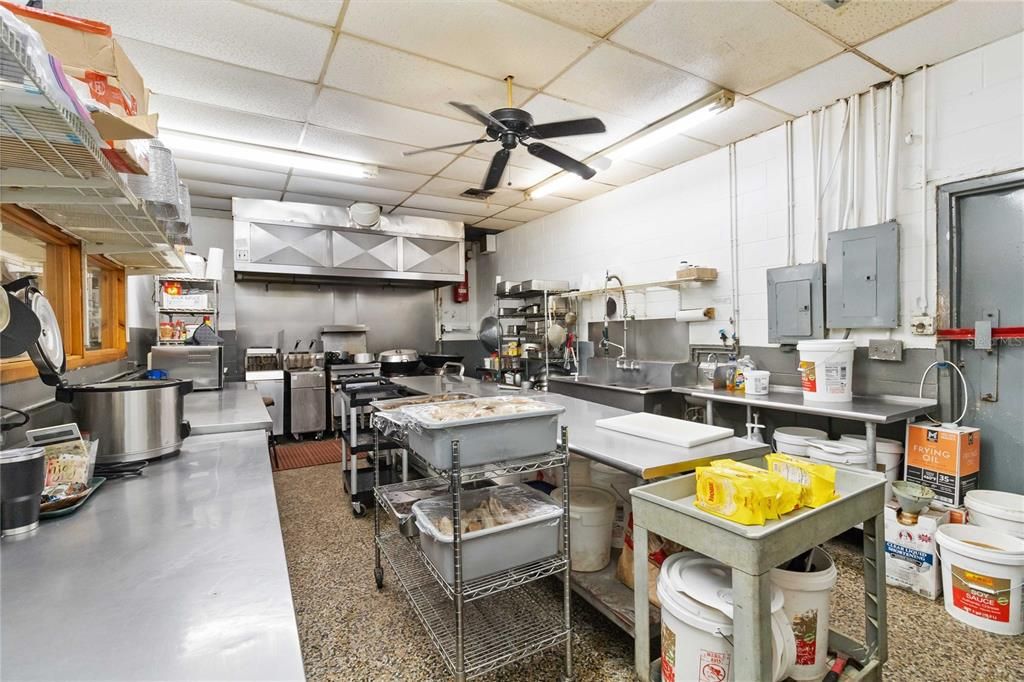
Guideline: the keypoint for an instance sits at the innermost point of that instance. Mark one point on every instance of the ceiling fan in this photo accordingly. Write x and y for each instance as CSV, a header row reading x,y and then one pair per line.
x,y
513,127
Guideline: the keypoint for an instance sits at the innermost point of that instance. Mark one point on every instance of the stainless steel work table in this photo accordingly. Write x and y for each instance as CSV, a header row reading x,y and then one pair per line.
x,y
871,410
667,508
234,408
179,574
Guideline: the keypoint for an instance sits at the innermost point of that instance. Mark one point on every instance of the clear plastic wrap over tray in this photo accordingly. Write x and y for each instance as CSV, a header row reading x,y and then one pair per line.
x,y
488,429
518,525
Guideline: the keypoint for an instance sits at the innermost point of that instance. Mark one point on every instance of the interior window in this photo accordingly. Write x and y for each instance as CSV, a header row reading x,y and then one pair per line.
x,y
94,295
21,254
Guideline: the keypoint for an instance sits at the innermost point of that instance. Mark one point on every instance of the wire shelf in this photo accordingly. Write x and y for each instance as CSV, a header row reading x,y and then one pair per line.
x,y
484,472
499,629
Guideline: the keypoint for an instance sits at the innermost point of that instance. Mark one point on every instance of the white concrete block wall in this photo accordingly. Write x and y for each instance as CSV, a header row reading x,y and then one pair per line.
x,y
974,127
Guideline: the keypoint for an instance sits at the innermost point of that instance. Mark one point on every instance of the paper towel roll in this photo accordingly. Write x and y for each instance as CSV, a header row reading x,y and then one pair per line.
x,y
215,263
695,315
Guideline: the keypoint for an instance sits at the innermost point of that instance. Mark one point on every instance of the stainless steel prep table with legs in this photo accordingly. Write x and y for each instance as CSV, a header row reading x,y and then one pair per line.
x,y
871,410
666,508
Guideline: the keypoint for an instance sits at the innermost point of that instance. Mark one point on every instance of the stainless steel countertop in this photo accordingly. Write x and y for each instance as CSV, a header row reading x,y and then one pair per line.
x,y
177,575
609,387
647,459
236,407
875,409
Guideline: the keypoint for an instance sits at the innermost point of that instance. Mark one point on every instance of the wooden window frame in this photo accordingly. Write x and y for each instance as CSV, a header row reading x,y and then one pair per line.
x,y
64,287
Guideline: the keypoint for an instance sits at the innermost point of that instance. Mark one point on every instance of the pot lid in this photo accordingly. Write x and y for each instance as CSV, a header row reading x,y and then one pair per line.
x,y
20,330
49,356
710,583
399,355
20,454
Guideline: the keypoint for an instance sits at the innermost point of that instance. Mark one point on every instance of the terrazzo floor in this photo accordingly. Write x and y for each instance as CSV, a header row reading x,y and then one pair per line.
x,y
350,631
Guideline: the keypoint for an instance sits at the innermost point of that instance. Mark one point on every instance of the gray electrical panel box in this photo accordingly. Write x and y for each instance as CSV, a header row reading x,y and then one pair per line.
x,y
863,276
796,303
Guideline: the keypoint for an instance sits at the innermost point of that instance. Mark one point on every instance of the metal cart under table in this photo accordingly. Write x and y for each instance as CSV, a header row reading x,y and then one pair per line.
x,y
666,508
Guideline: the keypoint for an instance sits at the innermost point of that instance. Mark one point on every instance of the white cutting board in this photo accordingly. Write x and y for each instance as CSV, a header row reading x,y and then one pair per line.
x,y
664,429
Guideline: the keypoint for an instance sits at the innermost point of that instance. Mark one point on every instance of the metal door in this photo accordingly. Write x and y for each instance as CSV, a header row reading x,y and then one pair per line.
x,y
986,243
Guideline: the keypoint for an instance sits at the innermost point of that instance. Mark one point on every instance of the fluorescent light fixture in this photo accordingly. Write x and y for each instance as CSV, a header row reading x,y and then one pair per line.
x,y
674,124
554,184
235,151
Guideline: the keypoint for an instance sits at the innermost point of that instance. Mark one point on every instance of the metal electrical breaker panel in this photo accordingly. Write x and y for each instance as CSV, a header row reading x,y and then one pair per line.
x,y
863,276
796,303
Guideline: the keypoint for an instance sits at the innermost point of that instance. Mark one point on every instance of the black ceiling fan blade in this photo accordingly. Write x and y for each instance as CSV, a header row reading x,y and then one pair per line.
x,y
577,126
480,115
551,155
496,170
447,146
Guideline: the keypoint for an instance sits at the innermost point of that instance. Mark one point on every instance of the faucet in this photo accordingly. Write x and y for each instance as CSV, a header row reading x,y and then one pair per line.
x,y
625,321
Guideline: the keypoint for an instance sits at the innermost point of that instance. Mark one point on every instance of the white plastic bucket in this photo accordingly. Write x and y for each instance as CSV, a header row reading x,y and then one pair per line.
x,y
618,483
826,369
591,513
807,608
756,381
695,635
853,454
999,511
982,577
579,471
792,440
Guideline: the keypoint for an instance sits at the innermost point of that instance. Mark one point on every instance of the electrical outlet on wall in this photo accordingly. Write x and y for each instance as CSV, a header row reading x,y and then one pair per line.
x,y
922,325
885,349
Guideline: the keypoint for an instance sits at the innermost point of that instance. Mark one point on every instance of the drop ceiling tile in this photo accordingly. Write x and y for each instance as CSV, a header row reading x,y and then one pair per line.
x,y
319,11
855,22
401,78
462,206
612,79
583,190
357,114
485,36
443,187
746,117
386,178
204,119
547,109
224,191
440,215
190,169
222,30
317,199
497,224
345,190
623,172
743,48
520,214
672,151
353,147
549,203
946,32
599,17
169,72
212,203
822,84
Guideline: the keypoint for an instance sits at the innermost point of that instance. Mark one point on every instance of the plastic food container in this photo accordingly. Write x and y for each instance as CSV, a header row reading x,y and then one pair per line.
x,y
530,531
591,514
506,428
826,369
999,511
792,440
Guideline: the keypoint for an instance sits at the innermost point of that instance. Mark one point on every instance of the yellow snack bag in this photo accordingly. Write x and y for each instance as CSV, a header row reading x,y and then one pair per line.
x,y
787,494
817,481
732,495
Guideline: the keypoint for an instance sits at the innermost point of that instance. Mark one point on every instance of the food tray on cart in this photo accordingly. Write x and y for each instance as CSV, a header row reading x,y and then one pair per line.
x,y
395,403
487,429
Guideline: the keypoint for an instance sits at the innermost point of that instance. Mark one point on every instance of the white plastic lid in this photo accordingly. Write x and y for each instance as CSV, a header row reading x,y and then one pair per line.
x,y
1008,506
20,454
710,583
798,435
889,445
826,345
837,451
586,499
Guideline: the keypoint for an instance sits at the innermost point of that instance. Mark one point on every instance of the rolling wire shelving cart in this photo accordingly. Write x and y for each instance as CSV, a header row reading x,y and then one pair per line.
x,y
545,317
486,623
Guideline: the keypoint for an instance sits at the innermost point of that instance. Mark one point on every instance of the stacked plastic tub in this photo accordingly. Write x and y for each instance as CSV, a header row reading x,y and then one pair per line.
x,y
851,450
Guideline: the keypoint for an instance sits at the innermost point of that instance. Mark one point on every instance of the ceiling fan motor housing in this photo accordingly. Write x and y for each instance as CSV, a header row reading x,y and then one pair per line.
x,y
516,121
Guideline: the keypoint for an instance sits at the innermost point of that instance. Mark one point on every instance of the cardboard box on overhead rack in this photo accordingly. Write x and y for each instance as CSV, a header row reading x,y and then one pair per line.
x,y
128,156
89,53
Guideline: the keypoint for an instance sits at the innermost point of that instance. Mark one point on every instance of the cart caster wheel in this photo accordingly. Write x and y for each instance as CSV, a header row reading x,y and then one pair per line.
x,y
378,577
297,436
358,510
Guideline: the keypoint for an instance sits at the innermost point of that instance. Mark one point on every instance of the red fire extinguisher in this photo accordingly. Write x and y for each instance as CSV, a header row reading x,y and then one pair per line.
x,y
460,292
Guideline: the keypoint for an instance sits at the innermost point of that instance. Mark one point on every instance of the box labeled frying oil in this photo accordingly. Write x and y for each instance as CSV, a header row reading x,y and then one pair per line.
x,y
911,562
945,458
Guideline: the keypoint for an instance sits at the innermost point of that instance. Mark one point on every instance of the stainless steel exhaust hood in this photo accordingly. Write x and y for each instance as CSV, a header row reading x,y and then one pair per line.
x,y
278,241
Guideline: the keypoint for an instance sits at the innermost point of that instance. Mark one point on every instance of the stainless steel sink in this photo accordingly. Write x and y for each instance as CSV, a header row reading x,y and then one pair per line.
x,y
647,389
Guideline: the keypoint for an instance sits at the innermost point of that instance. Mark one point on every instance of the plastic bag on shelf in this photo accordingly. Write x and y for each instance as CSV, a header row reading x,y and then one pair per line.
x,y
485,509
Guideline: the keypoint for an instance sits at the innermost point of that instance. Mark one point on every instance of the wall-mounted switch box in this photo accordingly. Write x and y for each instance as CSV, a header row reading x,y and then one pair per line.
x,y
922,325
863,277
885,349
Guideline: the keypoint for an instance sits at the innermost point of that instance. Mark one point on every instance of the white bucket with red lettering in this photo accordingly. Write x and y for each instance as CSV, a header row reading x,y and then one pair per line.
x,y
807,606
826,369
982,577
696,622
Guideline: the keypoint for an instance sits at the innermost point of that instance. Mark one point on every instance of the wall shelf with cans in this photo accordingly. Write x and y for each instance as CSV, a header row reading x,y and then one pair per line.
x,y
181,304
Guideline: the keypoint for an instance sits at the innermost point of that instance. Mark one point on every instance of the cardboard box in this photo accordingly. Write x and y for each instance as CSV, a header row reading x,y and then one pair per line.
x,y
911,562
186,301
128,156
943,458
88,52
696,274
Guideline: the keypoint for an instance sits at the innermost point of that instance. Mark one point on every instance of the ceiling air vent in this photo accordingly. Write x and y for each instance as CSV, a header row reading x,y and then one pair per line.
x,y
477,193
